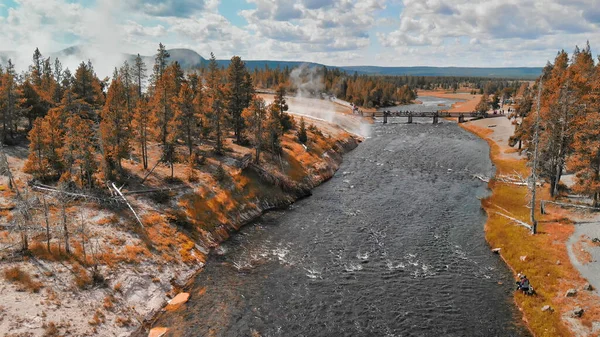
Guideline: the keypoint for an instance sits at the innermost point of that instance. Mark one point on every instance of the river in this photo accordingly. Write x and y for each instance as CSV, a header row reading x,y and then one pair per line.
x,y
392,245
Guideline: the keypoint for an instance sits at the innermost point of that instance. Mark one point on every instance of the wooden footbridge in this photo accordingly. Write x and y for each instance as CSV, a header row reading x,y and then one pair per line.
x,y
435,115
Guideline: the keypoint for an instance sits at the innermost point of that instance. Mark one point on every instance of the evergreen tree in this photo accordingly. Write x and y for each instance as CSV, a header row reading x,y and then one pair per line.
x,y
302,135
216,113
114,127
238,94
9,102
255,116
186,115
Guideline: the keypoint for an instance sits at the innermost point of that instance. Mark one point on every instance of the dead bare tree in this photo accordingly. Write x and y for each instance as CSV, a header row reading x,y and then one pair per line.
x,y
46,217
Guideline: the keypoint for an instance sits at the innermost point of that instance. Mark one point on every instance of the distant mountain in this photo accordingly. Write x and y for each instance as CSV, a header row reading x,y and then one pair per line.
x,y
190,59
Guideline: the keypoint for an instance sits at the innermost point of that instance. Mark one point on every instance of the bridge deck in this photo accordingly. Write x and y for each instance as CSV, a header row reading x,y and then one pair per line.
x,y
432,114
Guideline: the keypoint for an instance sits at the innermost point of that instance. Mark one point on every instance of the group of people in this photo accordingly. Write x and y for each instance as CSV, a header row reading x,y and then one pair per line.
x,y
523,283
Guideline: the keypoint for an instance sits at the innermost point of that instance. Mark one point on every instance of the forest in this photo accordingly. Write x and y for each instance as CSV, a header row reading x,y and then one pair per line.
x,y
80,128
561,115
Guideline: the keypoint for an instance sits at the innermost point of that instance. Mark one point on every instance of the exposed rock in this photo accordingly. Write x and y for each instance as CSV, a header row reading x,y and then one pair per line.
x,y
571,293
558,262
596,240
523,258
496,250
577,312
177,301
588,287
157,332
547,308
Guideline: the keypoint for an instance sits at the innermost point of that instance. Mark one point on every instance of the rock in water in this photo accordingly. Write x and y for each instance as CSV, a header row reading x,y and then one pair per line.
x,y
496,250
547,308
577,312
157,332
571,293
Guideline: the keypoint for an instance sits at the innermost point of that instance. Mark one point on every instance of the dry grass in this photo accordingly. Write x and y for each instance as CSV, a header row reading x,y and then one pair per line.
x,y
98,318
542,251
22,279
132,254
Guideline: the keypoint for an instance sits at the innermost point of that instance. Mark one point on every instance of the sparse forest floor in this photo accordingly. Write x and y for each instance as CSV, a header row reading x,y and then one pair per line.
x,y
544,257
118,272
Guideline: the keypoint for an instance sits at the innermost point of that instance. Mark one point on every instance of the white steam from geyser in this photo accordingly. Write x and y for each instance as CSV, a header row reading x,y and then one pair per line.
x,y
100,40
310,101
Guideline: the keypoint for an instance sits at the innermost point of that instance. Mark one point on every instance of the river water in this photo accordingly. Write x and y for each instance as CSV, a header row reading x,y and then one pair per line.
x,y
392,245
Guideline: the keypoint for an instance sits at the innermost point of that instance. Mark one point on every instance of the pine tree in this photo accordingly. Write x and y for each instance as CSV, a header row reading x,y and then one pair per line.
x,y
139,73
161,62
46,145
216,113
255,116
484,105
186,115
280,107
114,127
141,121
302,135
274,128
238,97
36,70
78,152
9,100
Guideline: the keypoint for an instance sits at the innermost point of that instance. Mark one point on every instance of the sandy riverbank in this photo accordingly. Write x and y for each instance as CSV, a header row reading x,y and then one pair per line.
x,y
544,257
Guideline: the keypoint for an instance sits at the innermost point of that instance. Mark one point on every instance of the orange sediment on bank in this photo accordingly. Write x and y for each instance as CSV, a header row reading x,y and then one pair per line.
x,y
543,257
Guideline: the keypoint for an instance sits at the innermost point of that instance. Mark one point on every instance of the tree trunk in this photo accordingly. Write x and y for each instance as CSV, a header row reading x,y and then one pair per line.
x,y
47,224
65,228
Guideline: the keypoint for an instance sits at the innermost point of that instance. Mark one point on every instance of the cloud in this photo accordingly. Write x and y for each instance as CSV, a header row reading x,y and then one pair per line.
x,y
334,32
432,21
175,8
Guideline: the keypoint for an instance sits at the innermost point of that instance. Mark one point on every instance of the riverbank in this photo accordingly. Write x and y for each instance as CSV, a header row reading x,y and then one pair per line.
x,y
544,257
119,272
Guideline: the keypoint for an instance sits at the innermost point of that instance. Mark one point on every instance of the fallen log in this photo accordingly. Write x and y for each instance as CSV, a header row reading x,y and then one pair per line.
x,y
49,189
563,204
154,190
519,222
128,204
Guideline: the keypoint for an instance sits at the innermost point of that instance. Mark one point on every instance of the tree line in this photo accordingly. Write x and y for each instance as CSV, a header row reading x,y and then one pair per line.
x,y
380,91
568,122
81,128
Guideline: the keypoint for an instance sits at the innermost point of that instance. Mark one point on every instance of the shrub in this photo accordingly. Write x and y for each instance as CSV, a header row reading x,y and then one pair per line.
x,y
16,275
81,277
220,173
123,321
51,330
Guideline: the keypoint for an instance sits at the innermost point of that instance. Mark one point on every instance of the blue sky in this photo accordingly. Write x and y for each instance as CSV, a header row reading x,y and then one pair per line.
x,y
488,33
